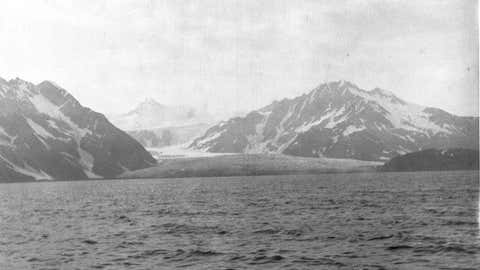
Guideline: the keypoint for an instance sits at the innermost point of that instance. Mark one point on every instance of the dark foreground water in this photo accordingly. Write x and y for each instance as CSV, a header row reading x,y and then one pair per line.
x,y
343,221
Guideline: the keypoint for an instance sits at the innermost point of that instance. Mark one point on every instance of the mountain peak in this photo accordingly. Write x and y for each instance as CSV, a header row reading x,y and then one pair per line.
x,y
149,102
18,82
20,87
337,85
382,92
150,114
343,83
333,88
50,83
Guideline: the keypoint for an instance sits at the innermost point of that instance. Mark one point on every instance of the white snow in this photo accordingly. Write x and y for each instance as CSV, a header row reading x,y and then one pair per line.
x,y
352,129
381,126
333,123
407,116
39,130
281,128
255,144
262,112
402,150
180,151
329,114
410,138
86,160
287,116
43,105
287,144
304,103
3,132
27,170
335,139
311,98
307,126
5,138
53,124
210,138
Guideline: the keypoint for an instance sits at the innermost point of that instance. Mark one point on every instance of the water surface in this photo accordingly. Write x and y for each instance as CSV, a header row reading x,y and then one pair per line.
x,y
417,220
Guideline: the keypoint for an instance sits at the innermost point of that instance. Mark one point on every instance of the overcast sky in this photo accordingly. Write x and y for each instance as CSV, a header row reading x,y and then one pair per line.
x,y
240,55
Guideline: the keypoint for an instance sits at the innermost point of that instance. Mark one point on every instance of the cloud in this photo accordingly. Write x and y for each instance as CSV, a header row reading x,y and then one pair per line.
x,y
112,54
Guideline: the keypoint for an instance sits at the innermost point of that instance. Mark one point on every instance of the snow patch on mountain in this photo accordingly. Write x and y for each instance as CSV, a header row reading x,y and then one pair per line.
x,y
352,129
336,117
39,129
27,170
86,161
212,137
402,115
255,141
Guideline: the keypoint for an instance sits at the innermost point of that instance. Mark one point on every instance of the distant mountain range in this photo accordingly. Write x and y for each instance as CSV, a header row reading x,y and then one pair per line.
x,y
435,160
45,133
150,114
157,125
340,120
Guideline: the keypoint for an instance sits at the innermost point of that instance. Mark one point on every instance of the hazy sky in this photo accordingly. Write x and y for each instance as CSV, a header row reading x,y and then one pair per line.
x,y
240,55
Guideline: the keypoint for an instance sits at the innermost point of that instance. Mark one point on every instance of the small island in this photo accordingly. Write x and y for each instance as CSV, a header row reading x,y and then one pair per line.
x,y
434,159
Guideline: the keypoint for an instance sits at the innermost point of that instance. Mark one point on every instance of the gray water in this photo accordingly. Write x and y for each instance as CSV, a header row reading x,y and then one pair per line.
x,y
333,221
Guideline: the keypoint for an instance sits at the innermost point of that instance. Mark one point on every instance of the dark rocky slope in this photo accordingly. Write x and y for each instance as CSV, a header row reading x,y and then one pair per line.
x,y
45,133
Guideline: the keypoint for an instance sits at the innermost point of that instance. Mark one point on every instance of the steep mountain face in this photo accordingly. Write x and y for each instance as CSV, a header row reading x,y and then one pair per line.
x,y
340,120
434,159
45,133
150,115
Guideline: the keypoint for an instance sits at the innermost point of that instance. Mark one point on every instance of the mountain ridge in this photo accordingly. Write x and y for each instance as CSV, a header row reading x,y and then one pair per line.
x,y
45,133
340,120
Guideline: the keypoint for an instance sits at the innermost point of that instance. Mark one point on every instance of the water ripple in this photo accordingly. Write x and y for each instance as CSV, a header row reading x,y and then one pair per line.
x,y
357,221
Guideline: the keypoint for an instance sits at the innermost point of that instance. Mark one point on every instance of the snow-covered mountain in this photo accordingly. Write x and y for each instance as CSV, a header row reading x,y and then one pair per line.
x,y
340,120
157,125
150,114
45,133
